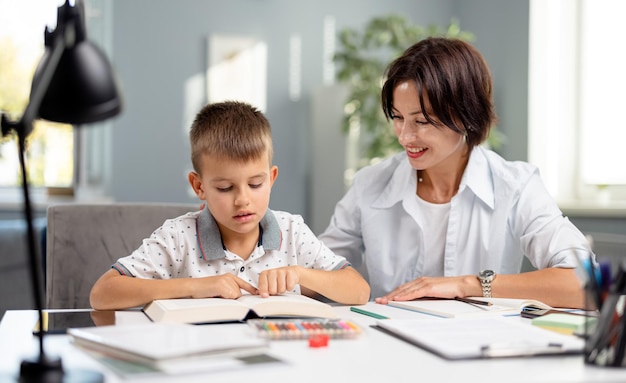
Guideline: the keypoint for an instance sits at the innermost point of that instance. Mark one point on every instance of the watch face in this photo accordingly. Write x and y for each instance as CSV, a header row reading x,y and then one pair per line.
x,y
487,274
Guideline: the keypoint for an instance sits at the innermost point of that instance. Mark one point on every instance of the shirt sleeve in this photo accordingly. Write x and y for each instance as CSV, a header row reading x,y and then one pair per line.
x,y
343,236
156,258
313,253
548,238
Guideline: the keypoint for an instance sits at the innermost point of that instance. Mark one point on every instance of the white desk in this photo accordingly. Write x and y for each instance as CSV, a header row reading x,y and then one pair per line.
x,y
373,357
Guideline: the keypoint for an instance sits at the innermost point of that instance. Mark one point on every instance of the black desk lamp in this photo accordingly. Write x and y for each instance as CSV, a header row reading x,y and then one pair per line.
x,y
73,84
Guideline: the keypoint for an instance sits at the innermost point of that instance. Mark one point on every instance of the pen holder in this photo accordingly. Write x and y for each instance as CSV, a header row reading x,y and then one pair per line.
x,y
605,341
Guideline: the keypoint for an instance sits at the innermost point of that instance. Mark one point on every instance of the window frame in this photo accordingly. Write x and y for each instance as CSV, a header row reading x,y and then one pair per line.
x,y
555,121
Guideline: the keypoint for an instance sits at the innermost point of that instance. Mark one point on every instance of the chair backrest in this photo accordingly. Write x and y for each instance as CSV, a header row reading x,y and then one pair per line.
x,y
83,241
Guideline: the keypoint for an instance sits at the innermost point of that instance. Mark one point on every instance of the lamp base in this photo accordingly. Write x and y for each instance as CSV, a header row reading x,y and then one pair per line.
x,y
46,370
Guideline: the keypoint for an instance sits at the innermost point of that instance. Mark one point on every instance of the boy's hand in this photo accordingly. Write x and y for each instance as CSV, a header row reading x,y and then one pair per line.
x,y
224,286
278,281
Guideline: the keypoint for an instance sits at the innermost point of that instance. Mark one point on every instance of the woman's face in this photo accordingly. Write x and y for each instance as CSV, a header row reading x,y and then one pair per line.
x,y
427,146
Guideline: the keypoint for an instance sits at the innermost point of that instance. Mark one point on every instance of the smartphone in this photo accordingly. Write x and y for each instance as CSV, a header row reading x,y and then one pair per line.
x,y
57,322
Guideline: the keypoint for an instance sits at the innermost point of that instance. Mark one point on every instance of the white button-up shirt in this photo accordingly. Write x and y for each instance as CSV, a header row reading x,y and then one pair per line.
x,y
501,213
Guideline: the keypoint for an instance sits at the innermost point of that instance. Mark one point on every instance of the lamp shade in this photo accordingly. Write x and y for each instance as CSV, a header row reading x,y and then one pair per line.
x,y
83,88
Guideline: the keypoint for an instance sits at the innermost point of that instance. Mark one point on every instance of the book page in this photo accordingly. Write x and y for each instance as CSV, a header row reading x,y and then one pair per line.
x,y
514,302
287,305
196,303
484,337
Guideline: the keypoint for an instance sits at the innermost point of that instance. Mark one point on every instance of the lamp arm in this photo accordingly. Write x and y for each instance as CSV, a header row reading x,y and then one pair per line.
x,y
49,65
69,31
23,127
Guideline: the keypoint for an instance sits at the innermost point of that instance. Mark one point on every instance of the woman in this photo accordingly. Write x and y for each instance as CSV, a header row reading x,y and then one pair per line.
x,y
447,217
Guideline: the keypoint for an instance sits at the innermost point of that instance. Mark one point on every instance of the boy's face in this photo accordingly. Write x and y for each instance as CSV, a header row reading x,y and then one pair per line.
x,y
237,194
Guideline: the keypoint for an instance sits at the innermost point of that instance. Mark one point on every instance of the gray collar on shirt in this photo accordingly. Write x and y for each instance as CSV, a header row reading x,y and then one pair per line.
x,y
210,238
477,177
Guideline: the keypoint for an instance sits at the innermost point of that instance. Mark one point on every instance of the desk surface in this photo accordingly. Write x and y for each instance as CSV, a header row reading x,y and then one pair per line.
x,y
374,356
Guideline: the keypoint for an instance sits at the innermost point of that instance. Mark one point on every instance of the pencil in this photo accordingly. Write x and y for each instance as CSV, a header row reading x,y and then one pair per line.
x,y
473,301
368,313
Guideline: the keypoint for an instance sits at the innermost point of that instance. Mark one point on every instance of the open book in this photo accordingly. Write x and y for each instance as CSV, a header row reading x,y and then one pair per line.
x,y
169,347
450,308
207,310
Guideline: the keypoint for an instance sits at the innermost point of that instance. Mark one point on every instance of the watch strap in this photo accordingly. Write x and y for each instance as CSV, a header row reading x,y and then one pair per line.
x,y
486,277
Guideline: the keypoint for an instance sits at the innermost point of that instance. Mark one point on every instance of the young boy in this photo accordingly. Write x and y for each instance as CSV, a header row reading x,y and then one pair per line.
x,y
236,243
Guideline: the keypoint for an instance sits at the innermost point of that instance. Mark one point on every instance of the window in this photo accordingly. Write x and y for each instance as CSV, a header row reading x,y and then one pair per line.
x,y
59,157
50,147
576,131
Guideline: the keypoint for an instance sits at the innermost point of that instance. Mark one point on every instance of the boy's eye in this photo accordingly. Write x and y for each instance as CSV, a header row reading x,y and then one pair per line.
x,y
256,186
224,190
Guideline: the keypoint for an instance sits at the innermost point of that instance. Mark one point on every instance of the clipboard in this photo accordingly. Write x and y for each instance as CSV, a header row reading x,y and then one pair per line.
x,y
481,338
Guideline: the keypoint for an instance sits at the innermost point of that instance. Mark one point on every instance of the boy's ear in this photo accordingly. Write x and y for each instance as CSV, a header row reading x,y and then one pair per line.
x,y
273,174
196,184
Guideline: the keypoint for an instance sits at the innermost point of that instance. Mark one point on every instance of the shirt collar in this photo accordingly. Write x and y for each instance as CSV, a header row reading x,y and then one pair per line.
x,y
210,238
402,181
477,177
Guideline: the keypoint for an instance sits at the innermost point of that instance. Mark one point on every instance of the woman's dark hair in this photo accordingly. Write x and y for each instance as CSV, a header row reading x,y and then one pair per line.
x,y
453,81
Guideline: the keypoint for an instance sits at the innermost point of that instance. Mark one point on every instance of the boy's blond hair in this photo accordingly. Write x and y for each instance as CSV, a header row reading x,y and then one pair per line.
x,y
233,130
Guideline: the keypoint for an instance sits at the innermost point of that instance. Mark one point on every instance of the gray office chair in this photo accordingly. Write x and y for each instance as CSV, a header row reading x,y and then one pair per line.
x,y
83,241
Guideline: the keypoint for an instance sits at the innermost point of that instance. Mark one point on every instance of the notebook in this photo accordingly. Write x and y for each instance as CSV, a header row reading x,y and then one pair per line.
x,y
169,347
450,308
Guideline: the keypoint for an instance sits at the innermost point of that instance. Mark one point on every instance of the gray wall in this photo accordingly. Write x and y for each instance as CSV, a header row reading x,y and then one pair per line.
x,y
501,28
159,45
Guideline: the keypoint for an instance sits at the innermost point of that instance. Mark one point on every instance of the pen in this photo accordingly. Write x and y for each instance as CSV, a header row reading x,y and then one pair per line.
x,y
368,313
473,301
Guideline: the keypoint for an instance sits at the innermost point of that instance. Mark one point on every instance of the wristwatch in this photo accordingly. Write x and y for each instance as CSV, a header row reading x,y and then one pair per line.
x,y
486,277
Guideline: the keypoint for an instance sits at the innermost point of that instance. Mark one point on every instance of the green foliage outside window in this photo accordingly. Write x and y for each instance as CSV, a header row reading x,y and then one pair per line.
x,y
47,139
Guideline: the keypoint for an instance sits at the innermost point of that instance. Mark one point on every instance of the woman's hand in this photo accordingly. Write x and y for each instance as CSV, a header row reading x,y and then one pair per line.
x,y
437,287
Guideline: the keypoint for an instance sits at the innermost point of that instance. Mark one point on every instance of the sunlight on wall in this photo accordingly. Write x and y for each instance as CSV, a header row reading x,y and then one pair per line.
x,y
237,70
295,67
328,63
